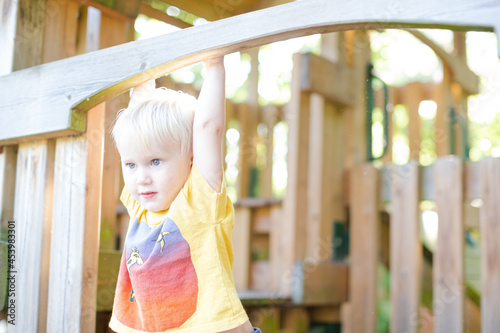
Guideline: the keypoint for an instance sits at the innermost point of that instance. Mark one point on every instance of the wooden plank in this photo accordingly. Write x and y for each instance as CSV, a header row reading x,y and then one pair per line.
x,y
109,266
295,320
275,247
60,31
326,176
325,314
460,71
124,10
490,247
8,160
330,80
260,275
7,37
68,221
356,148
96,130
29,222
59,89
46,237
319,283
364,248
246,153
405,248
293,227
443,98
270,119
346,317
212,11
162,16
448,263
241,248
412,96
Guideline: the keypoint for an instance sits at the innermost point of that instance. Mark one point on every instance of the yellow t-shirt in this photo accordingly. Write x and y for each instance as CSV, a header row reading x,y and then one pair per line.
x,y
176,268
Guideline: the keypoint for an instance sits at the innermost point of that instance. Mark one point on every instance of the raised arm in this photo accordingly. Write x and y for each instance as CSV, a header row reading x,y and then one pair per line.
x,y
209,124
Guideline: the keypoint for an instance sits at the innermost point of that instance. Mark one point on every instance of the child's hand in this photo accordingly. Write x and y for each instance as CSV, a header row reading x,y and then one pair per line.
x,y
148,85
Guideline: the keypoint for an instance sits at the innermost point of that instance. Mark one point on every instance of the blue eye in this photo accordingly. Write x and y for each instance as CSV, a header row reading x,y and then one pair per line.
x,y
155,162
130,165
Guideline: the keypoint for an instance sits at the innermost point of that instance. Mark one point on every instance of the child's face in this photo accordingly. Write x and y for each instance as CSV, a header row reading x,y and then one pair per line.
x,y
154,177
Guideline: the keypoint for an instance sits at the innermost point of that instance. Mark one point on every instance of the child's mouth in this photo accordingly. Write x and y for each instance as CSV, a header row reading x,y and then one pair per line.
x,y
148,195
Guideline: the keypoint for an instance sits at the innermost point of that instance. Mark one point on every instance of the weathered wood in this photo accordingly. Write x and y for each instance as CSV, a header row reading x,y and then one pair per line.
x,y
269,115
490,247
246,152
295,320
60,30
412,97
325,179
460,71
8,160
241,248
364,248
331,80
125,10
405,248
359,57
293,226
162,16
93,203
68,220
448,263
60,91
109,266
319,283
29,222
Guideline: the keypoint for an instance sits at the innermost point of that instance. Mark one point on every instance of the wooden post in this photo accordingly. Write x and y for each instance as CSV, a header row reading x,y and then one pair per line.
x,y
448,261
364,248
443,99
270,118
490,247
406,249
412,98
68,222
292,245
29,216
241,248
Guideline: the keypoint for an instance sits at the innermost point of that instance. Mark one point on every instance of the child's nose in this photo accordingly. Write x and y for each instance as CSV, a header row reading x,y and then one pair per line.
x,y
144,177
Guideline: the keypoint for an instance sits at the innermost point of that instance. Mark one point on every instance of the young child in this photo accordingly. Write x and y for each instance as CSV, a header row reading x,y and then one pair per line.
x,y
176,268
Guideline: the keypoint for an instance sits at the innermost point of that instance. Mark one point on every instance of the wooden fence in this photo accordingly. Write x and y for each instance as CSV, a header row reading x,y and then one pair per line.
x,y
452,185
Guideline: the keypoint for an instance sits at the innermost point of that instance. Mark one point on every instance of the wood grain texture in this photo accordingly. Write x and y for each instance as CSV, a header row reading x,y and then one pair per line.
x,y
364,248
490,247
241,247
293,225
55,94
319,283
448,263
405,248
68,221
96,135
28,217
328,79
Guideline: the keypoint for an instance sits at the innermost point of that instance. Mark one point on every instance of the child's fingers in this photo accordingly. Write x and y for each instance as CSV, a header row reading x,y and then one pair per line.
x,y
148,85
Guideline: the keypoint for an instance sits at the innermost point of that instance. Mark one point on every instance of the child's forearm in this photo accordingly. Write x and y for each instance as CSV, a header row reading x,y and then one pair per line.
x,y
210,113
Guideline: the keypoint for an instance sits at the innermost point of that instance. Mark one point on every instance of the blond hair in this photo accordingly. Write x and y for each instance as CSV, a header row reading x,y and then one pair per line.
x,y
162,116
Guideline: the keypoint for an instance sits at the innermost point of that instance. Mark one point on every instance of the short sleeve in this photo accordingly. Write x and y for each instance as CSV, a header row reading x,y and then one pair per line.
x,y
209,205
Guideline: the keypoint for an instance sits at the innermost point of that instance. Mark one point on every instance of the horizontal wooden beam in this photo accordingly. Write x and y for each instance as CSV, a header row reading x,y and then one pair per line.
x,y
319,283
161,16
126,10
460,71
426,184
330,80
50,100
